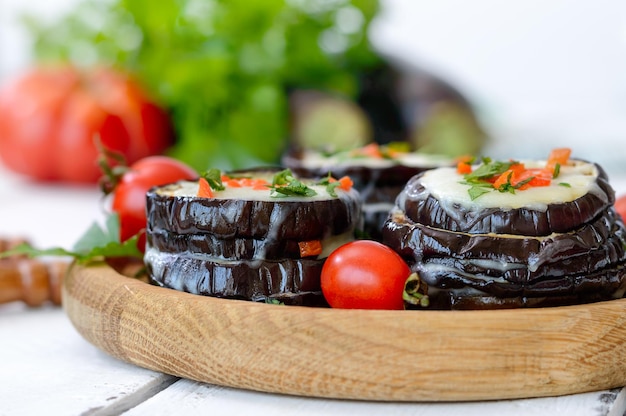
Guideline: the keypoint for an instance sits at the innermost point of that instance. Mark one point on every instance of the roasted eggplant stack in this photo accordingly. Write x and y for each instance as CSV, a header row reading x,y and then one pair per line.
x,y
522,235
259,236
379,173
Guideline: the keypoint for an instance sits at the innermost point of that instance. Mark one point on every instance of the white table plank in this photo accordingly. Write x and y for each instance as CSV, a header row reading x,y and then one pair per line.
x,y
48,368
192,398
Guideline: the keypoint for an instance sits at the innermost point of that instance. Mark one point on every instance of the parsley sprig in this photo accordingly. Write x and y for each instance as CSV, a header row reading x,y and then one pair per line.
x,y
214,178
477,179
96,244
329,184
284,184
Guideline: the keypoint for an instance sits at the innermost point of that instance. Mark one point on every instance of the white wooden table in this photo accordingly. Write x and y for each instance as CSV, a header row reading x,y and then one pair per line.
x,y
46,367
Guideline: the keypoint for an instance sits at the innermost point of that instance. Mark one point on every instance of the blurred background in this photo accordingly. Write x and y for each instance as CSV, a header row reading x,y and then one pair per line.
x,y
535,74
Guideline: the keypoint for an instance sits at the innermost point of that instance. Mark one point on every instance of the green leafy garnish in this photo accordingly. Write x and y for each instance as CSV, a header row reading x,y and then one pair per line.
x,y
285,184
477,190
565,184
509,187
214,178
95,244
487,169
330,185
557,171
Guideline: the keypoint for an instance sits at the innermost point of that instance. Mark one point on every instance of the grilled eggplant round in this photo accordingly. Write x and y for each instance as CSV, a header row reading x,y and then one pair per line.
x,y
561,244
288,281
440,199
232,217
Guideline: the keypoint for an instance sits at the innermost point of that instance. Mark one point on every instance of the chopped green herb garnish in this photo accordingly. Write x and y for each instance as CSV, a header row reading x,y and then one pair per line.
x,y
214,178
488,169
557,171
565,184
96,243
285,184
477,190
330,185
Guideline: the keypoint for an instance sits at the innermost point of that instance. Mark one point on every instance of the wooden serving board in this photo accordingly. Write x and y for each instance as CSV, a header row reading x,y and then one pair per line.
x,y
351,354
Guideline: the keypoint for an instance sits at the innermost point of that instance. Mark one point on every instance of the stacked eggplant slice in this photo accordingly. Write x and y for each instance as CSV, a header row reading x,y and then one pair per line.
x,y
379,172
247,243
511,245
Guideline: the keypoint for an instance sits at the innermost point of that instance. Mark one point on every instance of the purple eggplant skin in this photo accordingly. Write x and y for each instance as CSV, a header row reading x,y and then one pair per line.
x,y
224,248
484,271
235,218
421,207
288,281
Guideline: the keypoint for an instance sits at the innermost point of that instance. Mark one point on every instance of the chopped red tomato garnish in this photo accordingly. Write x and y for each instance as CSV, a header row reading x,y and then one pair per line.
x,y
559,156
511,176
254,183
310,248
345,183
463,167
370,150
204,189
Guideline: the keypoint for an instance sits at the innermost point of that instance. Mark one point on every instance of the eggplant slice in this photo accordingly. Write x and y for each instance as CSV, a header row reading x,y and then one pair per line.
x,y
422,207
416,242
289,281
300,220
233,248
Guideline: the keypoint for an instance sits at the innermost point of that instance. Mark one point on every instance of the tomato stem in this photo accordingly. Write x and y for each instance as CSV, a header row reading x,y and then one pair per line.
x,y
112,164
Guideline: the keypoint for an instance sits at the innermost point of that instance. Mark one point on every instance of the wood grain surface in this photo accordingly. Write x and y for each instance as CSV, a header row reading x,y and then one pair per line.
x,y
352,354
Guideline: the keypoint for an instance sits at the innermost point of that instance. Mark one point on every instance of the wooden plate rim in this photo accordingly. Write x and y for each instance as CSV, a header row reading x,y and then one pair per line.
x,y
350,354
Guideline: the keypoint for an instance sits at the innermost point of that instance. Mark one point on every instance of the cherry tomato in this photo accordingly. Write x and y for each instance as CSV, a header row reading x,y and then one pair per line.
x,y
620,206
129,196
51,115
364,274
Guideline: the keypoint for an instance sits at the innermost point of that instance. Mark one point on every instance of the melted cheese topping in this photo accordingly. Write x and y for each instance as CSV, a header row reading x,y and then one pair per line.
x,y
190,189
312,159
447,186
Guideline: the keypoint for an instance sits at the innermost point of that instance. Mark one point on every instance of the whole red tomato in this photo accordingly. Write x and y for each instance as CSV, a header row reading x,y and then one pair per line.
x,y
50,117
364,274
129,195
620,206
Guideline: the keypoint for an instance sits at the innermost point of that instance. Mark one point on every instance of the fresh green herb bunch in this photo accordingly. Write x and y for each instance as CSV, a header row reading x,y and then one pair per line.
x,y
222,67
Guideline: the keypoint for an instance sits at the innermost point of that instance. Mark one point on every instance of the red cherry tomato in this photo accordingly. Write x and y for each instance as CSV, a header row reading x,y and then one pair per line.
x,y
620,206
129,196
50,117
364,274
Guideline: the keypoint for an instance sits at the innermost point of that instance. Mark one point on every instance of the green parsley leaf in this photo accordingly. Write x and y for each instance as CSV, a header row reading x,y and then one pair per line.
x,y
488,169
477,190
330,186
214,178
565,184
557,171
95,244
285,184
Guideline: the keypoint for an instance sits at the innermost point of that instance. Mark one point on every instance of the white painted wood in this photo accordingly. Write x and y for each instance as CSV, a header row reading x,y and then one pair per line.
x,y
47,368
192,398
